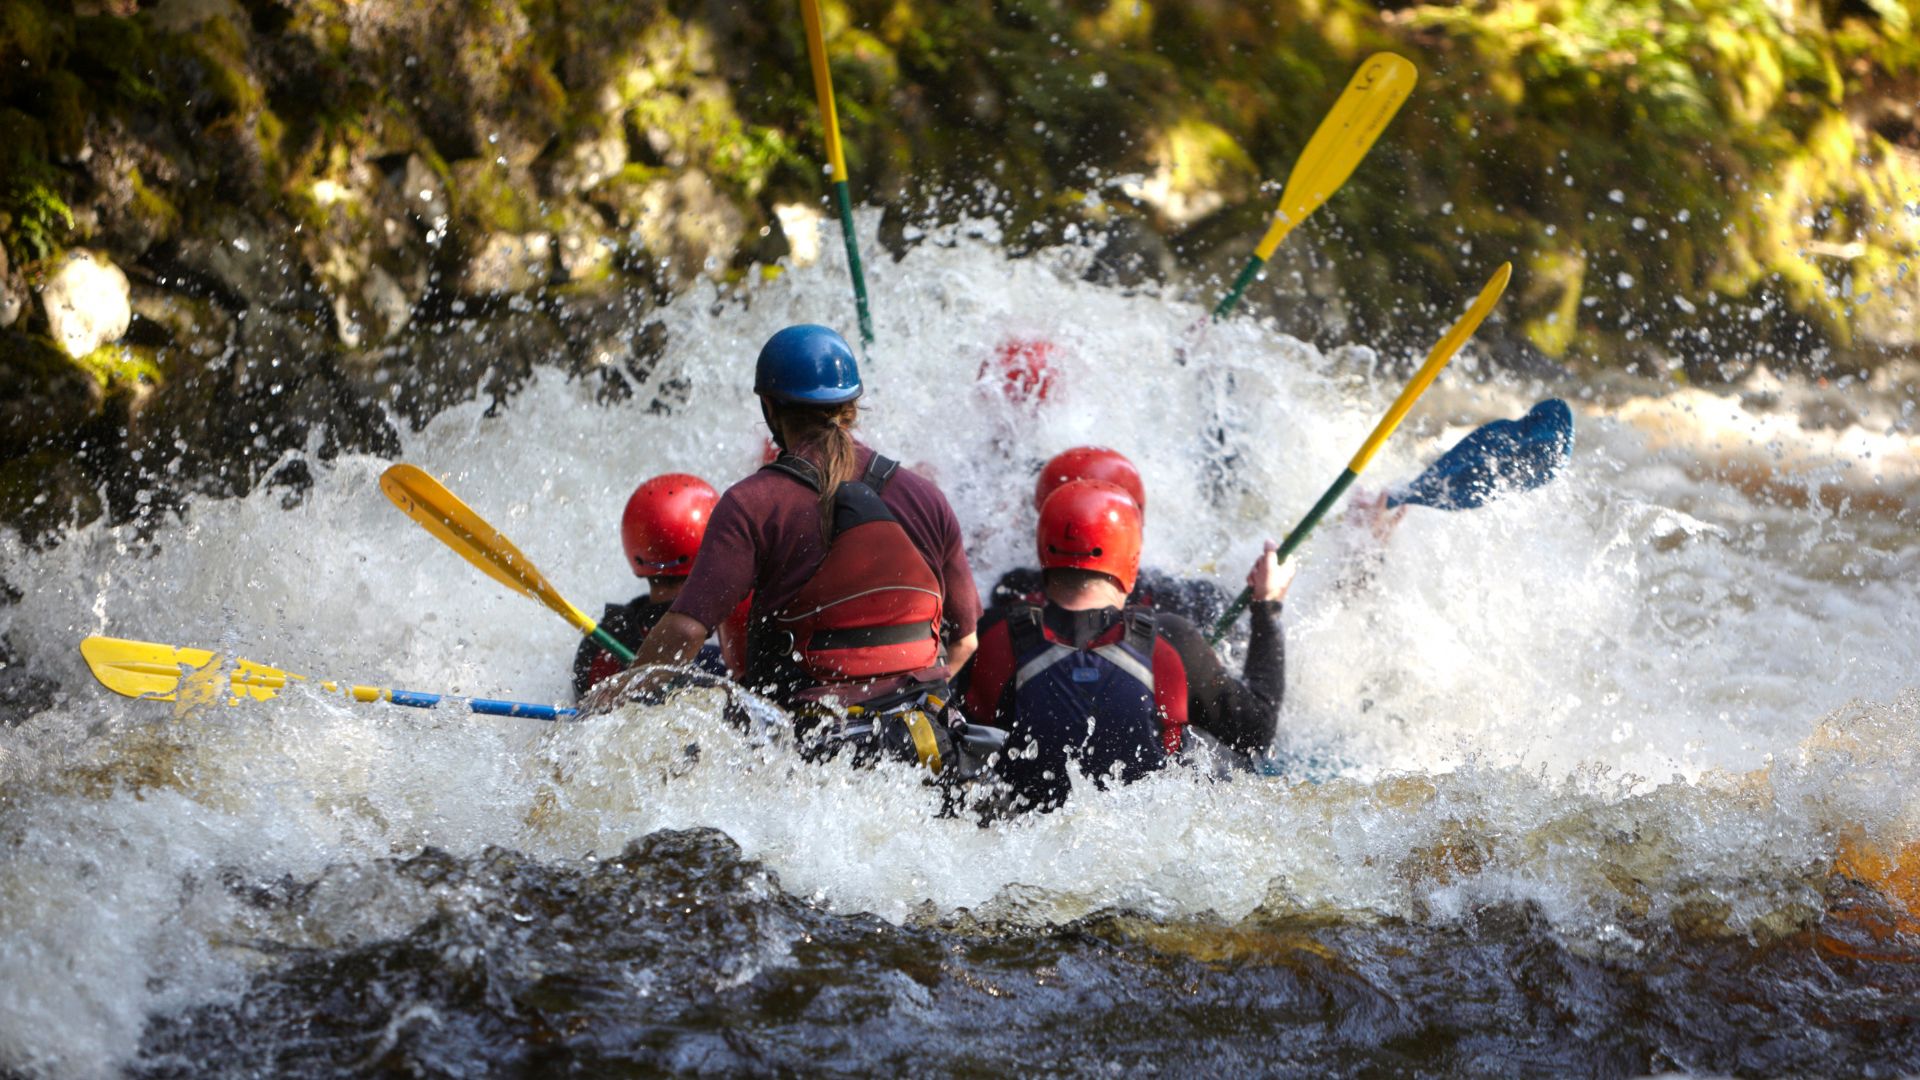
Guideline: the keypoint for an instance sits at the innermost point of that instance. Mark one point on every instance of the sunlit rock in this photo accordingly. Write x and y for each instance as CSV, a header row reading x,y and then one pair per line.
x,y
686,225
593,158
584,254
801,224
508,263
1197,167
12,297
86,303
421,191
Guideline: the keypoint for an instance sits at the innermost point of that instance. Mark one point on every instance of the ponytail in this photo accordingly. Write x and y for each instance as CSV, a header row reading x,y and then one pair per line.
x,y
827,431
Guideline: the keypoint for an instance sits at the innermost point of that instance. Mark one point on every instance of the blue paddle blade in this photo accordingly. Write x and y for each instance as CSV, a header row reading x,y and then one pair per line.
x,y
1496,458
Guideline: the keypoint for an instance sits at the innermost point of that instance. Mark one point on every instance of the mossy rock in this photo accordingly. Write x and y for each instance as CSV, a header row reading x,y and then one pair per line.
x,y
44,395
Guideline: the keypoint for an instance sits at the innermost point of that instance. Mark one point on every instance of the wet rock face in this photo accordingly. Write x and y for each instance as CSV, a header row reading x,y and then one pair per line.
x,y
389,177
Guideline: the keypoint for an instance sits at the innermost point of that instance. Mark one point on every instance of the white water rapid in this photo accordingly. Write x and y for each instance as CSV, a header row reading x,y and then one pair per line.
x,y
1682,669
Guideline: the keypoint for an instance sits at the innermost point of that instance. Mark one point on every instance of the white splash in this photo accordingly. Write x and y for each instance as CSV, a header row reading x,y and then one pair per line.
x,y
1507,692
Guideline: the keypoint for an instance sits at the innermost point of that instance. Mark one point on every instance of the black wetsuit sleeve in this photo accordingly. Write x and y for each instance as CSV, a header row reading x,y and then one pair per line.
x,y
1242,714
583,666
629,624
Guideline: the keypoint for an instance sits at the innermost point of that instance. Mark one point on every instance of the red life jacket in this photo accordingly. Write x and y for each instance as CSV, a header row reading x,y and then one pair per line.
x,y
872,609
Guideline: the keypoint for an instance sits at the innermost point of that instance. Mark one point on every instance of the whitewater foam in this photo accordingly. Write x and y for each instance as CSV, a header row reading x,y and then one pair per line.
x,y
1606,696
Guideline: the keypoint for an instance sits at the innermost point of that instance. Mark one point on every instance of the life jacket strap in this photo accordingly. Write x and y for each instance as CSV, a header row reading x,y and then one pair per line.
x,y
880,470
1119,657
1051,655
867,636
797,467
1029,638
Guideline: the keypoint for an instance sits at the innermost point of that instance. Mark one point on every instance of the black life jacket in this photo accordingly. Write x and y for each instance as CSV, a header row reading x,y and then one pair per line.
x,y
870,613
1095,705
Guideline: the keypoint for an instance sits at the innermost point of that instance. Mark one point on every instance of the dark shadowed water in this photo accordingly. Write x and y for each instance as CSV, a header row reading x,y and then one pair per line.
x,y
681,956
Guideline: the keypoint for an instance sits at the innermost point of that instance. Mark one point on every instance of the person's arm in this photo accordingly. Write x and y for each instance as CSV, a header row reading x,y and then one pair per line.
x,y
1243,714
960,597
722,576
674,640
960,652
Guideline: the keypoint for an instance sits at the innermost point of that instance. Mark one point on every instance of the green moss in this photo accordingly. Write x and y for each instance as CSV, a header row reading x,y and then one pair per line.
x,y
486,196
116,59
30,34
153,207
121,366
34,217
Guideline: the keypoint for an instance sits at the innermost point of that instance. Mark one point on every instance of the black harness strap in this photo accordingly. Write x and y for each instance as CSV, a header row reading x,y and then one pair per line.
x,y
1142,631
1024,631
879,471
866,636
797,467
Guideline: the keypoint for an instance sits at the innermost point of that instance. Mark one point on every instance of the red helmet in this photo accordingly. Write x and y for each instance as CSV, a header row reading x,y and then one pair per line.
x,y
663,524
1091,525
1090,463
1023,368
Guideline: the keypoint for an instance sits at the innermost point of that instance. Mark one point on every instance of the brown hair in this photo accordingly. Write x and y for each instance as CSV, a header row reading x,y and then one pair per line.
x,y
823,433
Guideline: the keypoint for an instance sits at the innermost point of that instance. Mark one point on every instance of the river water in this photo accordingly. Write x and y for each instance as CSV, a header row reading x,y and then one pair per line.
x,y
1600,778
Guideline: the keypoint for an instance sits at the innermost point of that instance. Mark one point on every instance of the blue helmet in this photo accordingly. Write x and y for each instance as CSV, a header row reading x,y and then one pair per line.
x,y
807,365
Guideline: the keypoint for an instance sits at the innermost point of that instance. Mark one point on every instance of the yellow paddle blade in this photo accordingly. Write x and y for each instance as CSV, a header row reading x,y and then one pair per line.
x,y
441,513
1437,359
1341,140
823,85
145,669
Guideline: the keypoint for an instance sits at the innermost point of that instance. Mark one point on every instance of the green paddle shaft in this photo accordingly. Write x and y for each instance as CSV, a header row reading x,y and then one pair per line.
x,y
612,644
845,202
1232,300
1294,539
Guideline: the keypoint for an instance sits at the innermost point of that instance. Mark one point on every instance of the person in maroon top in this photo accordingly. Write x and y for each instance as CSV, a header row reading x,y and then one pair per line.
x,y
861,591
1082,680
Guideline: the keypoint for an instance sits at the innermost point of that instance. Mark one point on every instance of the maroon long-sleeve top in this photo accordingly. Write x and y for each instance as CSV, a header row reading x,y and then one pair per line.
x,y
764,538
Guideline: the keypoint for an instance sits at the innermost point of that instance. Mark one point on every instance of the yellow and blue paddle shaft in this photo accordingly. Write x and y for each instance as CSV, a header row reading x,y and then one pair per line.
x,y
836,159
154,672
1443,351
1353,124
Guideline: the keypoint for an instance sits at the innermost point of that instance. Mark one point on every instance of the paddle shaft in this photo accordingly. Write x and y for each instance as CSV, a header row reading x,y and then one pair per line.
x,y
1230,301
428,502
412,699
483,706
836,160
611,644
1443,351
1294,540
